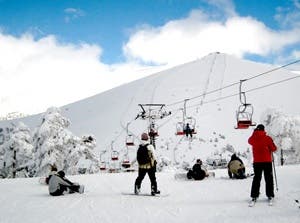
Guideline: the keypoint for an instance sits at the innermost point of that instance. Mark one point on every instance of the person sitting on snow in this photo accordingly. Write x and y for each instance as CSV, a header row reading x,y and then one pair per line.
x,y
236,168
53,170
59,184
197,173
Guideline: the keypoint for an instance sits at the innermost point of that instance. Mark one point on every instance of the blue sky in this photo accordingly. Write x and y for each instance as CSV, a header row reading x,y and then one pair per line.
x,y
108,23
111,42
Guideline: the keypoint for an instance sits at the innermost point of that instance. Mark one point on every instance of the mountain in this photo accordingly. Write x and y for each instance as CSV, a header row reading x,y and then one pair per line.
x,y
210,87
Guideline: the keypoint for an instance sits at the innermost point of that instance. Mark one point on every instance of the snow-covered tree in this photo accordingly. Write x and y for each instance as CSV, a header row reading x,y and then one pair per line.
x,y
82,159
54,144
18,152
285,130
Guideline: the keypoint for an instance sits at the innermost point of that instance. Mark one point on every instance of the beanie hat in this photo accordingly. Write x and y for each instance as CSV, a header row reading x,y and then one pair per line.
x,y
260,127
144,136
61,173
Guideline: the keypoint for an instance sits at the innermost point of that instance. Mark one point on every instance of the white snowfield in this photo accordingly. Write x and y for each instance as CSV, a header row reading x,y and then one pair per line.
x,y
218,199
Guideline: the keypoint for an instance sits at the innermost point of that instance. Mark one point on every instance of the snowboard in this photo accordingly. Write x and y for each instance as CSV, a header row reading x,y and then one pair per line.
x,y
183,176
42,180
81,189
145,194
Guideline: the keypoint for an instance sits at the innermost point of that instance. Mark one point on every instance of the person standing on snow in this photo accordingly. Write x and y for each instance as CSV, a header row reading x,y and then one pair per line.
x,y
236,168
147,164
262,148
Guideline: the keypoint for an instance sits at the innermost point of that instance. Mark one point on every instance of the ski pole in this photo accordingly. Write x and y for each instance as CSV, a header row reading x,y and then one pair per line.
x,y
274,172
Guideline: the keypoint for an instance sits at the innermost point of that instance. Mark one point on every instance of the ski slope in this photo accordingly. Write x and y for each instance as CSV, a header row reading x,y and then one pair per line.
x,y
106,115
218,199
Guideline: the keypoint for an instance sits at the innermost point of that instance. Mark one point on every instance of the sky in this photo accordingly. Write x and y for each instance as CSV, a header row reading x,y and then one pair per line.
x,y
52,48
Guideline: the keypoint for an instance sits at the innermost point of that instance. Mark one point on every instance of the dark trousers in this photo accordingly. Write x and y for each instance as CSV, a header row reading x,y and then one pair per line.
x,y
151,174
63,188
259,168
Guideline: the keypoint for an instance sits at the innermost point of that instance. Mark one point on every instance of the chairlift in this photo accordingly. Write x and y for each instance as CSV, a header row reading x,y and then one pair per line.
x,y
245,112
180,128
153,132
244,116
130,140
114,155
126,163
102,162
102,166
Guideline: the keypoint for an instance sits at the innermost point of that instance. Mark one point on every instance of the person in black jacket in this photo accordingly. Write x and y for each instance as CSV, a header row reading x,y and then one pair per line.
x,y
197,173
188,131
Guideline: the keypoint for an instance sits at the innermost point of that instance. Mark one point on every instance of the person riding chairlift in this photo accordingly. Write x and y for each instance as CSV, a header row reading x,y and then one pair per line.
x,y
188,131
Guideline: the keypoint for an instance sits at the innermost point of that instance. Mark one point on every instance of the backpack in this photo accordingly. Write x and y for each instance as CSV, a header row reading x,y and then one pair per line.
x,y
143,155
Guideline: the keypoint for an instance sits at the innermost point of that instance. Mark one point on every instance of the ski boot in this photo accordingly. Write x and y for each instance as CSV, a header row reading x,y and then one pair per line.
x,y
137,189
154,191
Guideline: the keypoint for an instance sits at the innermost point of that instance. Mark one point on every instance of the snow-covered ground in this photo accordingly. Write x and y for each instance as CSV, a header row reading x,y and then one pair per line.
x,y
218,199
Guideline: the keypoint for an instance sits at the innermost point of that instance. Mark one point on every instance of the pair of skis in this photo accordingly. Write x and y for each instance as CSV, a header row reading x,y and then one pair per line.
x,y
253,202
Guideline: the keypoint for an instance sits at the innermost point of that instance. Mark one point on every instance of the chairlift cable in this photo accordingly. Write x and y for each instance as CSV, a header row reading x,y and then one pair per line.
x,y
253,89
235,83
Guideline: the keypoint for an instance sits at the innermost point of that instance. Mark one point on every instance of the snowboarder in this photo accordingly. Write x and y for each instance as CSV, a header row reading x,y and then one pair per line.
x,y
236,168
197,173
188,131
147,164
59,184
262,148
53,170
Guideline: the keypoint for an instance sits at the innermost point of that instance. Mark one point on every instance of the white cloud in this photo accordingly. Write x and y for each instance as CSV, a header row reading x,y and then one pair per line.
x,y
226,6
72,13
197,35
37,74
289,16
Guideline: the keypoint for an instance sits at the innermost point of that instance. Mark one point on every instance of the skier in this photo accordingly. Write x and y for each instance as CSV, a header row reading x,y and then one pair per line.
x,y
262,148
53,170
236,168
147,164
188,131
59,184
197,173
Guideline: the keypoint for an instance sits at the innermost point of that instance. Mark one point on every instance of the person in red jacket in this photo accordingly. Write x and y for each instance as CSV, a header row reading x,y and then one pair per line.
x,y
262,148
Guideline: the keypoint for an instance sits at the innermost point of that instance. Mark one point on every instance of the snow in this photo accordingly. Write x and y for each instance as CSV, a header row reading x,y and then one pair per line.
x,y
218,199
